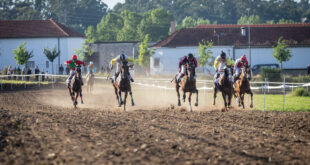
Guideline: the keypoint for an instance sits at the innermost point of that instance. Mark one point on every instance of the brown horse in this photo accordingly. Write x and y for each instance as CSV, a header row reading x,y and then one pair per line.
x,y
123,86
242,86
187,84
76,87
90,80
225,86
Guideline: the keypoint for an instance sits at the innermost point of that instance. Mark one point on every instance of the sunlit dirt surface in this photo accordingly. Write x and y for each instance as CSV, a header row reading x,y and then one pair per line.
x,y
42,127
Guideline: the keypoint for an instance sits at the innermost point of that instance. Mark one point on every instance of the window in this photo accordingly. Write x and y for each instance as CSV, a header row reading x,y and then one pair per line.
x,y
30,64
47,64
156,62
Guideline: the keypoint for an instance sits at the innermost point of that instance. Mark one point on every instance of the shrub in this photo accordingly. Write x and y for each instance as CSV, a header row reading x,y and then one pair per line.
x,y
301,92
271,74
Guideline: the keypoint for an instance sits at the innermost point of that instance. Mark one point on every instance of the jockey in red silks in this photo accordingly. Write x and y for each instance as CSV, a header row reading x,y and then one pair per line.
x,y
241,62
72,64
186,59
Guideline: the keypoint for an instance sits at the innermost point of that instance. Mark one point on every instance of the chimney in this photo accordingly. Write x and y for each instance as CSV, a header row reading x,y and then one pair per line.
x,y
172,27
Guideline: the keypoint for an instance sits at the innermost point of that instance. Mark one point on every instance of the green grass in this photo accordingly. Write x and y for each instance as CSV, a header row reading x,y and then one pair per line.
x,y
20,82
275,102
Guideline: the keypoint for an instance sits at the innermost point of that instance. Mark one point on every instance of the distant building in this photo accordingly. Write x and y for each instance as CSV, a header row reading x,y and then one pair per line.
x,y
38,34
233,39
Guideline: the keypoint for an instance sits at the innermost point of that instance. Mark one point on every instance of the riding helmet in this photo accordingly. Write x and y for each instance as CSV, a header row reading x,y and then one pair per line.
x,y
243,58
122,57
223,54
74,57
190,56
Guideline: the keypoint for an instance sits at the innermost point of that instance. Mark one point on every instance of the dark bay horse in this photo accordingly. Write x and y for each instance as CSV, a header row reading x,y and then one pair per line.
x,y
225,86
76,87
90,80
123,86
242,86
187,84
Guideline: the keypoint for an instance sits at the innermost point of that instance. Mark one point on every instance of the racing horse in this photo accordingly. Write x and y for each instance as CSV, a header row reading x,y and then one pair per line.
x,y
242,86
187,84
225,86
90,80
123,86
75,88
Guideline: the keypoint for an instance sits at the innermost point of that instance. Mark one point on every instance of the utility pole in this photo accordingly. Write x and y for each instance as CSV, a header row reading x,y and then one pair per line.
x,y
249,28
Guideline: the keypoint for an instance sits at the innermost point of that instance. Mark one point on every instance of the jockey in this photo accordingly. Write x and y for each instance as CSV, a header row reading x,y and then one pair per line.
x,y
186,59
119,59
72,64
91,69
221,61
241,62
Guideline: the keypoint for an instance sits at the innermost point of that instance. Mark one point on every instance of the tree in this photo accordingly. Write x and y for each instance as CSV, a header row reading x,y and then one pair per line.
x,y
284,21
85,52
90,33
145,53
205,54
188,22
51,55
253,19
280,52
22,55
109,26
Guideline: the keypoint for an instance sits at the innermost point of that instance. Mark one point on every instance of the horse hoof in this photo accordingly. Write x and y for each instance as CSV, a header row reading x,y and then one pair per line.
x,y
196,104
251,106
82,102
132,104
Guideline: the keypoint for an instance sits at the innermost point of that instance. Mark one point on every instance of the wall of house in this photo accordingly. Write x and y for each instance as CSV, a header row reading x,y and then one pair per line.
x,y
170,57
37,45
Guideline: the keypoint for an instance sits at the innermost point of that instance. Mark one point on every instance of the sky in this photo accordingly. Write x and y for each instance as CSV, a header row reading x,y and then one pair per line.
x,y
112,3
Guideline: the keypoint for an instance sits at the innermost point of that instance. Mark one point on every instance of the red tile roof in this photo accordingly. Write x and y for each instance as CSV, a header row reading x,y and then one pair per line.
x,y
34,29
228,35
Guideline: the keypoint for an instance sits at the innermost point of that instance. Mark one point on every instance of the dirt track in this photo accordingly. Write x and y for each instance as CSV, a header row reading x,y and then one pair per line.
x,y
41,127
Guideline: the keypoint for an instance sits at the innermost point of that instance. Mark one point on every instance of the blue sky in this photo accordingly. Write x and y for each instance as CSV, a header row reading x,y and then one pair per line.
x,y
111,3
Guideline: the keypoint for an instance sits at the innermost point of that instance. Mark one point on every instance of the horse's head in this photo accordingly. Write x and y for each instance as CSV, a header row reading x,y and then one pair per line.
x,y
78,71
124,70
190,70
244,73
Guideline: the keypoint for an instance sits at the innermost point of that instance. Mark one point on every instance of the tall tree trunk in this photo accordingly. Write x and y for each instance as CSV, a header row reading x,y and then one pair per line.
x,y
52,67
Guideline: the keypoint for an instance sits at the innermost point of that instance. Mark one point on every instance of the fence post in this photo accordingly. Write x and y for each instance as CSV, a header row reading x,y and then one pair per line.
x,y
283,92
265,94
39,81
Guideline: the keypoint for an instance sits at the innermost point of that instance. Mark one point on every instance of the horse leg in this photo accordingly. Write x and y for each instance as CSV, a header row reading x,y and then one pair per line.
x,y
120,97
75,99
242,100
229,100
117,97
184,96
225,103
251,106
178,94
196,104
82,102
214,95
132,102
125,98
189,101
71,95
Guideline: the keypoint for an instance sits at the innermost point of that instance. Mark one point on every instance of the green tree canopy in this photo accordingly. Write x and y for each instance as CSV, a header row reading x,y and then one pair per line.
x,y
280,52
205,54
22,55
145,53
253,19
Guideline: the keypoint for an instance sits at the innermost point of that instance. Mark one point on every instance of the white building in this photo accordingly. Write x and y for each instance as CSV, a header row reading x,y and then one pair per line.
x,y
228,38
38,34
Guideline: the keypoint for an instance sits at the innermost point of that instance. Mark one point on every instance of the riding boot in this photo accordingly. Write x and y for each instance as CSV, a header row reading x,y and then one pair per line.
x,y
114,77
179,77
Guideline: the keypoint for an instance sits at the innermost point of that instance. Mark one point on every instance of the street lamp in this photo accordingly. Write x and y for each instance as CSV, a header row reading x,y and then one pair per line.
x,y
249,28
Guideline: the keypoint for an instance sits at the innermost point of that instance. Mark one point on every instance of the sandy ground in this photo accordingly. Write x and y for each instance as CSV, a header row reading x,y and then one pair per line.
x,y
42,127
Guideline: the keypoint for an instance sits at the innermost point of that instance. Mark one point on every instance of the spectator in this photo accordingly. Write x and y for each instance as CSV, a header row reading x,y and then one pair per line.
x,y
28,73
43,77
67,70
46,75
18,72
37,71
9,72
14,73
61,69
308,69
